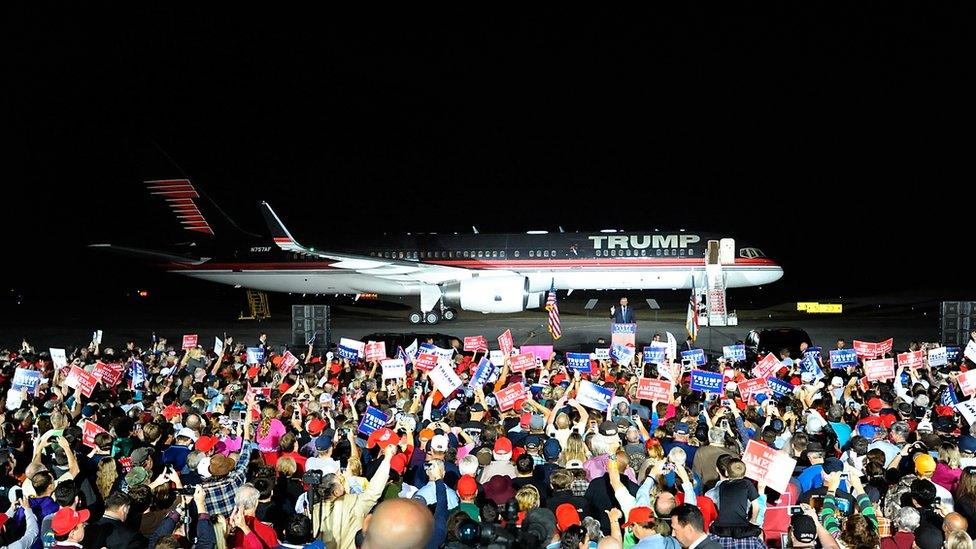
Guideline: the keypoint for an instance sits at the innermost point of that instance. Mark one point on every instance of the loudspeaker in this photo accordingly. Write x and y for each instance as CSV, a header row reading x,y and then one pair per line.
x,y
309,319
958,318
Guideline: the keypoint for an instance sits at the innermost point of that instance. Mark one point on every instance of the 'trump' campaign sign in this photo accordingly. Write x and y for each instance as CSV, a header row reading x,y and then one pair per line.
x,y
768,465
255,355
475,343
696,355
766,366
444,378
656,354
709,382
879,370
751,387
938,357
373,419
623,354
843,358
89,431
347,353
505,343
375,351
523,362
394,368
779,387
967,382
594,396
655,390
482,374
578,361
425,362
26,379
866,349
508,396
189,341
913,360
734,352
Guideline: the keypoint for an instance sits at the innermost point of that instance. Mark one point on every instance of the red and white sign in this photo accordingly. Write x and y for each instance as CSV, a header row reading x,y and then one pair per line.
x,y
879,370
425,362
655,390
86,383
253,392
508,396
767,366
967,382
189,341
71,380
523,362
751,387
475,343
913,360
288,361
768,465
376,351
108,374
505,343
886,346
88,433
866,349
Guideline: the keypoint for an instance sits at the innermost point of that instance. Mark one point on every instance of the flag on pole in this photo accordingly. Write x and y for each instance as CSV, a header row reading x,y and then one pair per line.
x,y
553,309
691,324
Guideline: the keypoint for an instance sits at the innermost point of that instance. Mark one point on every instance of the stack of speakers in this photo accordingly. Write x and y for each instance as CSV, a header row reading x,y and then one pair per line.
x,y
958,318
311,319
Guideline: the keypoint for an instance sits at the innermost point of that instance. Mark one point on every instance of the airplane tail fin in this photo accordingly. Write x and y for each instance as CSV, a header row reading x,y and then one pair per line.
x,y
279,232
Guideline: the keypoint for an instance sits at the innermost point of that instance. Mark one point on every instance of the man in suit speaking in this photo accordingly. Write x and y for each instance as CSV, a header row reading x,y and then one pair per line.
x,y
624,314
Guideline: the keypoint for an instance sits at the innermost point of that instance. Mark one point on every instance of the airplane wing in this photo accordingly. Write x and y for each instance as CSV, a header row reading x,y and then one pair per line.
x,y
403,270
155,255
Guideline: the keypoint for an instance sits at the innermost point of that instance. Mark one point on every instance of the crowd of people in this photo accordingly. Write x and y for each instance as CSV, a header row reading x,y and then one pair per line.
x,y
188,448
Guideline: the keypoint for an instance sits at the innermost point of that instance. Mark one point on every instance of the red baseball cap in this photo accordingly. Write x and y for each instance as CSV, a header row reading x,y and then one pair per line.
x,y
205,444
566,516
467,487
639,515
66,519
875,404
382,437
399,464
316,426
525,419
502,446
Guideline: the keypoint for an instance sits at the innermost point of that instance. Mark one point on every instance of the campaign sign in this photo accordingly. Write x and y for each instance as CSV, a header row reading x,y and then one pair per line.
x,y
815,351
768,465
523,362
843,358
439,352
508,396
602,353
26,379
734,352
425,362
913,360
594,396
189,341
967,382
359,346
971,351
779,387
505,343
138,373
578,361
497,358
482,374
623,354
938,357
346,353
886,346
708,382
89,431
952,354
218,346
288,361
411,351
751,387
866,349
475,343
255,355
879,370
767,366
444,378
948,396
541,351
697,355
58,357
394,368
809,364
72,378
373,419
375,351
86,383
623,334
254,392
656,355
655,390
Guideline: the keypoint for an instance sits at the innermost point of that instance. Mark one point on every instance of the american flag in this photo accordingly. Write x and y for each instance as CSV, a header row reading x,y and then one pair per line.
x,y
691,324
553,309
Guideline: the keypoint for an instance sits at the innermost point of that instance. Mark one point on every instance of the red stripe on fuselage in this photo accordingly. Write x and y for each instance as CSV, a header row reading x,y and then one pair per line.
x,y
495,264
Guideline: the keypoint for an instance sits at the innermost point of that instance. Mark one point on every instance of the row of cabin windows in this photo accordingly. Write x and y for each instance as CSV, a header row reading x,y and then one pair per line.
x,y
479,254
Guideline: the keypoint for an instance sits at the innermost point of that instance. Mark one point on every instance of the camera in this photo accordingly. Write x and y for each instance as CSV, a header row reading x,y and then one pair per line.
x,y
186,490
312,478
485,535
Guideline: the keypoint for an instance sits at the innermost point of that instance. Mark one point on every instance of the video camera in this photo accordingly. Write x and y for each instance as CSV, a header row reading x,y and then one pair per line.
x,y
487,535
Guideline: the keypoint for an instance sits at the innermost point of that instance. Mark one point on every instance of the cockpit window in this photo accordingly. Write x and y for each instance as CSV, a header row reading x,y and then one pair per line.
x,y
750,253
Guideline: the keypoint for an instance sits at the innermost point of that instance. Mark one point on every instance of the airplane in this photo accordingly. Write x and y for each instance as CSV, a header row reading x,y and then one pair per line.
x,y
487,273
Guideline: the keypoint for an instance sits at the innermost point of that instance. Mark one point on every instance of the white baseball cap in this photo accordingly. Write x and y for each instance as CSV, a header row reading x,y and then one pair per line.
x,y
439,443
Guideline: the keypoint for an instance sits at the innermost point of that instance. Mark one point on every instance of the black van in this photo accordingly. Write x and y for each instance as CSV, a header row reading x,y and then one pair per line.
x,y
762,341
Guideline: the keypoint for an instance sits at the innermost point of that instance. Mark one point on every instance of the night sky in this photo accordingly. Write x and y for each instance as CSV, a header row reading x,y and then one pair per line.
x,y
837,142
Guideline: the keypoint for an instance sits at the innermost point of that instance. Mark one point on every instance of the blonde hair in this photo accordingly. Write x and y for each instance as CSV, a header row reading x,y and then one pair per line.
x,y
267,414
58,420
959,539
527,497
575,449
286,465
220,529
106,476
949,455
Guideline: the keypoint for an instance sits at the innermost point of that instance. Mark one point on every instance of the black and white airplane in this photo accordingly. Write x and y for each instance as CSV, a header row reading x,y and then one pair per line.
x,y
488,273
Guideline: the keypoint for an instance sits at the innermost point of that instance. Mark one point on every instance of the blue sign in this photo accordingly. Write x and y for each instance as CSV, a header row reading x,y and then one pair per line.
x,y
26,379
809,364
349,354
948,397
843,358
697,355
656,355
427,348
481,375
709,382
622,353
578,361
734,352
138,374
815,351
255,355
594,396
779,387
402,355
624,329
952,353
373,419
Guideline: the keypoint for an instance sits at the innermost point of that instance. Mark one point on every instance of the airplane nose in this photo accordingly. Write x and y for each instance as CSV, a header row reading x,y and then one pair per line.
x,y
773,274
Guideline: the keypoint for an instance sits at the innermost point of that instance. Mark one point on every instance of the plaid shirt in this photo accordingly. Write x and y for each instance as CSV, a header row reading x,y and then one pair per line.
x,y
742,543
884,527
221,491
579,487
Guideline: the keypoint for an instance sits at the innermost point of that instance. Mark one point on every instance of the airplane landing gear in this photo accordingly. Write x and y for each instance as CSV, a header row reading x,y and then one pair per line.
x,y
415,317
449,314
432,317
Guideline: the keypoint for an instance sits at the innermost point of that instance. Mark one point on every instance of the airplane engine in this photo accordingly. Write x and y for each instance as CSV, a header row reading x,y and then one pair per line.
x,y
502,294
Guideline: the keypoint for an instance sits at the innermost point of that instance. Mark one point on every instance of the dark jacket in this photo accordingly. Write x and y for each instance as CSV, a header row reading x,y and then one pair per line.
x,y
113,534
599,497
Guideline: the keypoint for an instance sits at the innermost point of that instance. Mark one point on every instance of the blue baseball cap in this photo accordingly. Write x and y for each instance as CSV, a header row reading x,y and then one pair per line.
x,y
866,431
